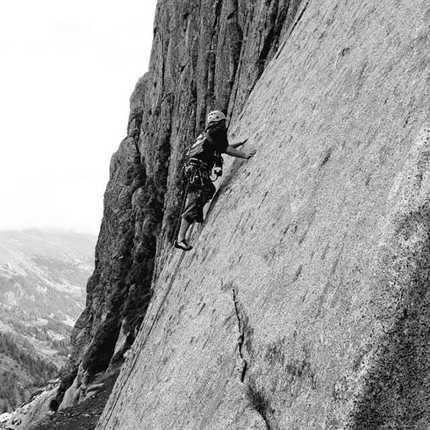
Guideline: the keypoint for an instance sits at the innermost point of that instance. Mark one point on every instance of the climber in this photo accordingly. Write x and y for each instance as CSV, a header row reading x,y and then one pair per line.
x,y
210,144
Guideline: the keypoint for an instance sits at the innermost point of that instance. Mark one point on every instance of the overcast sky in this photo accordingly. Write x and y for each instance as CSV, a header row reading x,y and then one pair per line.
x,y
67,71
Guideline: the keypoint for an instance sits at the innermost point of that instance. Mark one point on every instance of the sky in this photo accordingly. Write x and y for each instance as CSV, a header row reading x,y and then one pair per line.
x,y
67,71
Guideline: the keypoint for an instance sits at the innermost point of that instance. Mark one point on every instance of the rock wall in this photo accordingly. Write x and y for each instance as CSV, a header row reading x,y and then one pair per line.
x,y
305,302
206,54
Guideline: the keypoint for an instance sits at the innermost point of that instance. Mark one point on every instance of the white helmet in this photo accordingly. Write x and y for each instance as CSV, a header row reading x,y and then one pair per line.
x,y
215,116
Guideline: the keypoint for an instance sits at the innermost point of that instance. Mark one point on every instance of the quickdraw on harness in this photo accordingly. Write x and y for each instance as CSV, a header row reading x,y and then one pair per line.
x,y
197,172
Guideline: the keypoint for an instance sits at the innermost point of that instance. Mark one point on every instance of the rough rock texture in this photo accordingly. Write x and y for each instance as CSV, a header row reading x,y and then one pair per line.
x,y
206,54
305,303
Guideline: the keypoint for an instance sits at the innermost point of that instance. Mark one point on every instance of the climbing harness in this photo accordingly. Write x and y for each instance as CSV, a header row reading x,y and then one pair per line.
x,y
196,171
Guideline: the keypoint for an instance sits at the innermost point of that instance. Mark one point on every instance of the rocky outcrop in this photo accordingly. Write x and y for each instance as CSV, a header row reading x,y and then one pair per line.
x,y
29,413
206,54
304,304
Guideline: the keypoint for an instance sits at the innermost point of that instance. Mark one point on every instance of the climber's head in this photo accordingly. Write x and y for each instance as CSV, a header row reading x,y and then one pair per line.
x,y
216,117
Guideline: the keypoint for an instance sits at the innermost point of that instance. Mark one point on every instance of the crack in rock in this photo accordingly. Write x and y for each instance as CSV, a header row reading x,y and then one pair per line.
x,y
300,16
258,403
241,339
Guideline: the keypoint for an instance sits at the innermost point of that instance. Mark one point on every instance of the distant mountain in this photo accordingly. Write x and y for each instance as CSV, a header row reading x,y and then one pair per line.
x,y
43,275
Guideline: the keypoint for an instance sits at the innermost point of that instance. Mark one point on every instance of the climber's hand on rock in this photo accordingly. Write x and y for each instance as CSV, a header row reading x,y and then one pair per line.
x,y
251,154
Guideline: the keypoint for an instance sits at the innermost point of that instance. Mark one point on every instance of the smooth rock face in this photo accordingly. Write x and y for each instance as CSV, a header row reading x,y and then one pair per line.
x,y
305,303
206,55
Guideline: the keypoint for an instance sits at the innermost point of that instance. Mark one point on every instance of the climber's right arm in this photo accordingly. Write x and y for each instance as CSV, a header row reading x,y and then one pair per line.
x,y
237,144
239,154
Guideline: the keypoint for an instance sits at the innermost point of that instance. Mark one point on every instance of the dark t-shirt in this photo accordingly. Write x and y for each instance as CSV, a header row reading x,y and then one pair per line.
x,y
220,143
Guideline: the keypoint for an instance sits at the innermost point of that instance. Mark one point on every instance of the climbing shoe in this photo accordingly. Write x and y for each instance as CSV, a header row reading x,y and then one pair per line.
x,y
183,245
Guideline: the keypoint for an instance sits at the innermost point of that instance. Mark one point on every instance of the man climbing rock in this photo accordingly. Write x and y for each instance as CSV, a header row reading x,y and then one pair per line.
x,y
204,154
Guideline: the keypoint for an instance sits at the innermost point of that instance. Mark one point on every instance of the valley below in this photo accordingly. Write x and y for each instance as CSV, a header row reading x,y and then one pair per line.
x,y
43,275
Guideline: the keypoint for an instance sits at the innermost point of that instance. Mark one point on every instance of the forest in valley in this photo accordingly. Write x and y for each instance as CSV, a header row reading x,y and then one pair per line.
x,y
21,372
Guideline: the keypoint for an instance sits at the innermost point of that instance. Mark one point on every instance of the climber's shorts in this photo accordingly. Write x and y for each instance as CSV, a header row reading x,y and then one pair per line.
x,y
193,208
196,199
